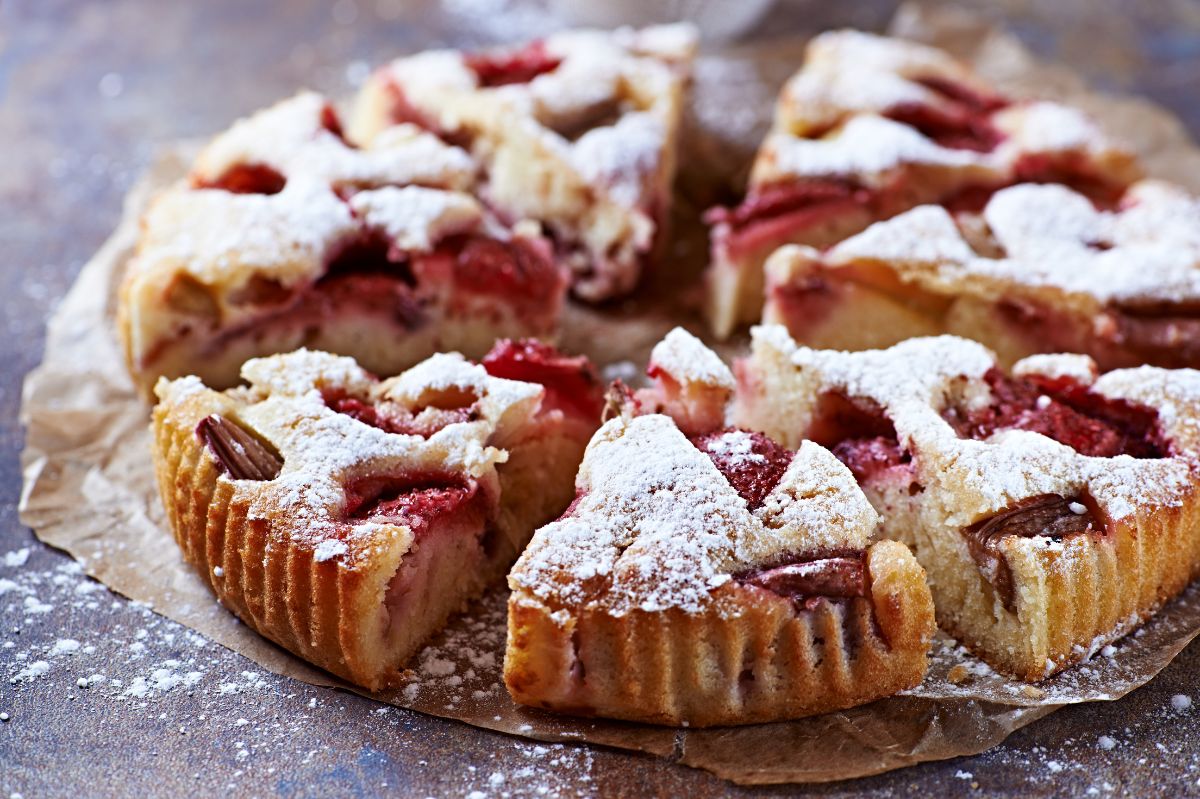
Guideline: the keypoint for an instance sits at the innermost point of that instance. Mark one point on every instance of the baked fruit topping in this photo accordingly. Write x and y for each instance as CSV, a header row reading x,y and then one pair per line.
x,y
346,518
871,127
1053,509
1037,268
286,235
710,575
577,131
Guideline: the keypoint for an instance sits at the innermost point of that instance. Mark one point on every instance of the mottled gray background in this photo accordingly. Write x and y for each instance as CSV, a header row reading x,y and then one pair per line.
x,y
128,704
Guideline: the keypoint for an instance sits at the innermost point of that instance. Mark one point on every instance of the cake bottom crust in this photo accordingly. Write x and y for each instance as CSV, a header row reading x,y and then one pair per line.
x,y
759,659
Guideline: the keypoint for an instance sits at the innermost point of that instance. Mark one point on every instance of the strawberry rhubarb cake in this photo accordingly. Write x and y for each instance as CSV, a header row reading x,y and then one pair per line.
x,y
1039,269
347,518
577,131
1053,509
871,127
286,235
707,574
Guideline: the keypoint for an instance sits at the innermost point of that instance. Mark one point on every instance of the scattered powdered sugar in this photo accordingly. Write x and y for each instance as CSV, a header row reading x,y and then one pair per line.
x,y
16,558
736,446
1050,237
911,383
685,358
322,448
658,526
1181,702
623,157
329,549
291,137
867,147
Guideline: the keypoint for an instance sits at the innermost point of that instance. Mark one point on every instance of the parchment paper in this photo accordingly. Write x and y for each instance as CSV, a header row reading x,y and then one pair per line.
x,y
89,488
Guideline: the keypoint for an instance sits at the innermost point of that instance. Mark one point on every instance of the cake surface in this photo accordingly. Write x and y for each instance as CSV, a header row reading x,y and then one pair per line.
x,y
347,518
870,127
1038,269
1053,509
285,235
577,131
707,575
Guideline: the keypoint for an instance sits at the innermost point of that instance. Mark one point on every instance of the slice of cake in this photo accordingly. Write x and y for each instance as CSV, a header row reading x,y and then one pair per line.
x,y
577,131
709,575
285,235
870,127
1038,269
346,518
1053,509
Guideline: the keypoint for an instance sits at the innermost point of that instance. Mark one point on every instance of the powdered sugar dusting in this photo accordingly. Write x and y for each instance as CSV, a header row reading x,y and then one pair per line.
x,y
1050,237
322,449
657,525
912,381
686,359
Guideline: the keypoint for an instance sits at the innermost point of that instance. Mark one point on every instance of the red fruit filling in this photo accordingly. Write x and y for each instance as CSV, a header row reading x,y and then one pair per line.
x,y
520,270
415,499
1165,335
964,123
1073,170
772,213
502,67
246,179
751,462
393,419
808,582
571,382
859,434
1049,515
1066,412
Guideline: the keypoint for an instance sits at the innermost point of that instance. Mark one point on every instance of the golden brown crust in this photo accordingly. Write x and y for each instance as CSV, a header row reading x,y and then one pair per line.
x,y
752,658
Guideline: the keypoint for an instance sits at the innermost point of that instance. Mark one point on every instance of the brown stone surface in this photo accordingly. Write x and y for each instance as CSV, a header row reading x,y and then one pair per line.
x,y
87,92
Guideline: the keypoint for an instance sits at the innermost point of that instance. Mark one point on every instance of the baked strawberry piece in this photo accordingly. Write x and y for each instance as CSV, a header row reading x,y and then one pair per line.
x,y
1053,509
346,518
710,575
871,127
1039,269
284,235
577,131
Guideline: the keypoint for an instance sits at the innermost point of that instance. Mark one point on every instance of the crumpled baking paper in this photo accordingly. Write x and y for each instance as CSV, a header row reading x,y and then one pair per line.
x,y
89,486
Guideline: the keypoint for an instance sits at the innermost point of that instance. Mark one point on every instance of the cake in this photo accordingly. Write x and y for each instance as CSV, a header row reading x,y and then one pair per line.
x,y
577,131
1054,509
285,235
709,575
346,518
870,127
1039,269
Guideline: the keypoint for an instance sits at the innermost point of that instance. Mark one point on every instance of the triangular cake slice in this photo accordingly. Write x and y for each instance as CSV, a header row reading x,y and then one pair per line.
x,y
346,518
1053,509
1039,269
872,126
285,235
708,575
577,130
